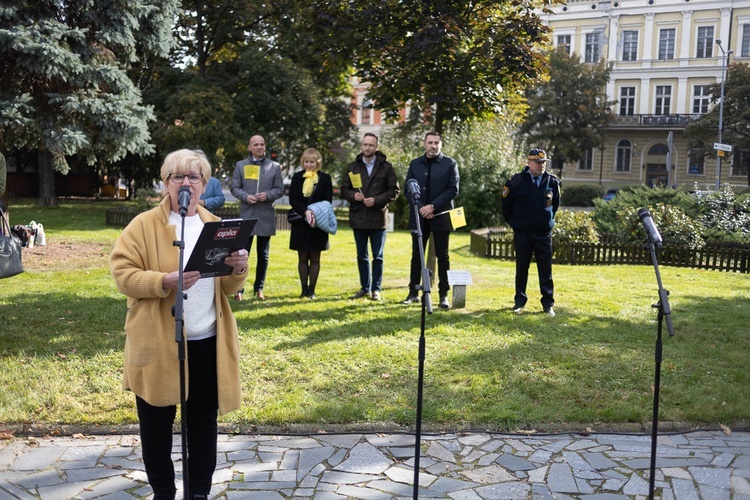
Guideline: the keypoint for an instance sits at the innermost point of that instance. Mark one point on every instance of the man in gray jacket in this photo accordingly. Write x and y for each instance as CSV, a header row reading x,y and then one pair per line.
x,y
257,184
369,185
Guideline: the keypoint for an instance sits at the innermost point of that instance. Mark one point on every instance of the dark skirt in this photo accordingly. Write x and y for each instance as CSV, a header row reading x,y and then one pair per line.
x,y
306,239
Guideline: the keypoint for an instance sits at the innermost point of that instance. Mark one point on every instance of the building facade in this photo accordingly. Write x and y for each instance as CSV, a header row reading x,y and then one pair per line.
x,y
665,55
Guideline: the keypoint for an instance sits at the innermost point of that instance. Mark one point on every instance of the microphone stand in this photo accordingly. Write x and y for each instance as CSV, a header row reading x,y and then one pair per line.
x,y
665,312
179,333
426,309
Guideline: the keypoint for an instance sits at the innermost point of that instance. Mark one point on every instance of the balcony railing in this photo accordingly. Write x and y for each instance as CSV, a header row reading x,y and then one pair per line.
x,y
653,120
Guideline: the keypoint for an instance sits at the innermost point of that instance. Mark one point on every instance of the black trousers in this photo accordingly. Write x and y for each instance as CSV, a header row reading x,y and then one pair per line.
x,y
202,430
441,240
539,246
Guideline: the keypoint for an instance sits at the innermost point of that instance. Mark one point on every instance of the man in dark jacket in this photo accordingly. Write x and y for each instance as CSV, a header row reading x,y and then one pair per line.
x,y
437,176
530,201
369,185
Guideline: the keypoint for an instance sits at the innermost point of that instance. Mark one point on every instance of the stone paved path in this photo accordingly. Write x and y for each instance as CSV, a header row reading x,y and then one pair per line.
x,y
472,466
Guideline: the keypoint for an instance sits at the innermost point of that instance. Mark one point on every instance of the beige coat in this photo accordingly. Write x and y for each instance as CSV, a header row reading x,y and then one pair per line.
x,y
143,254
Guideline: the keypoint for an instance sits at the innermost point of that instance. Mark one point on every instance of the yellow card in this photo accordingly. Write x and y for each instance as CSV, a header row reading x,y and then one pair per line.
x,y
252,172
458,218
356,180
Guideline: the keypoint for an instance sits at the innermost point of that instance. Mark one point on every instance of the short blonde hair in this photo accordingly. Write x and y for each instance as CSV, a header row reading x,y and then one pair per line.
x,y
185,161
311,153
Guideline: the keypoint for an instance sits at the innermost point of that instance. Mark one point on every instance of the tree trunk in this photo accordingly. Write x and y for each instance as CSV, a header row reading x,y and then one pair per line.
x,y
47,196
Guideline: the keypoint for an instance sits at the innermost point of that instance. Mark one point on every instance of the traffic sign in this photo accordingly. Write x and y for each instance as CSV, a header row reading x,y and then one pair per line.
x,y
723,147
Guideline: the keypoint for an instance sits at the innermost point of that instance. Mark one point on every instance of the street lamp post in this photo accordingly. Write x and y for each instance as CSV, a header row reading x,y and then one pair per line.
x,y
719,153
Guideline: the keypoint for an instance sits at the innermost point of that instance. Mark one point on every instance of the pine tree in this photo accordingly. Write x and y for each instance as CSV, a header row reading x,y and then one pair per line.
x,y
65,88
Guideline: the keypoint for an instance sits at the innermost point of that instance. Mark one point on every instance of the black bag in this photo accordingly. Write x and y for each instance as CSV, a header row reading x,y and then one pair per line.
x,y
10,251
293,216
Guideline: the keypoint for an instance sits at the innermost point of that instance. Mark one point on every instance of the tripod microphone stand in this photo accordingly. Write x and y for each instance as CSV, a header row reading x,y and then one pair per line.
x,y
665,313
414,191
178,311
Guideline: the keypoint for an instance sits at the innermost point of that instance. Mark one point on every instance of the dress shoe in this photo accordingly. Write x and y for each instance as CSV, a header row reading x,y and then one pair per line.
x,y
549,312
411,299
304,293
375,295
359,294
238,296
311,295
259,295
517,309
443,304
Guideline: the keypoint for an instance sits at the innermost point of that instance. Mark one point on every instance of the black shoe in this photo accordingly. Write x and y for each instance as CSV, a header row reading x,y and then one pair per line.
x,y
411,299
444,302
311,294
359,294
304,293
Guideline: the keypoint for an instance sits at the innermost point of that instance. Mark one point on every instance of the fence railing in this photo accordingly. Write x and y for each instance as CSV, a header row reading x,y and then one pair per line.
x,y
498,244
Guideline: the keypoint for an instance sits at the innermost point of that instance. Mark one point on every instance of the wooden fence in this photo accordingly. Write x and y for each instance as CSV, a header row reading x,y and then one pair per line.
x,y
498,244
121,217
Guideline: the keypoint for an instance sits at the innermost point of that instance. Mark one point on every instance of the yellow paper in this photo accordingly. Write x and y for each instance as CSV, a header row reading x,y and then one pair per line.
x,y
458,217
252,172
356,180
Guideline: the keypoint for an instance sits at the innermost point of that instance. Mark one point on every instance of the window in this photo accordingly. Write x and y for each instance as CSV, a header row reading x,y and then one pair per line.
x,y
701,98
624,150
563,43
696,161
663,99
740,162
666,44
592,47
627,101
366,112
629,45
587,162
705,41
745,47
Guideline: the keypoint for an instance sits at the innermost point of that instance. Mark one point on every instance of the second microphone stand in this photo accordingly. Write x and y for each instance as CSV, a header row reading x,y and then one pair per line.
x,y
426,309
178,312
665,313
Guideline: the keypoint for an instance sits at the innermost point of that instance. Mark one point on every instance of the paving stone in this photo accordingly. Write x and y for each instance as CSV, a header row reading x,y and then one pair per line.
x,y
501,491
540,456
474,439
684,489
740,485
711,476
598,461
636,485
309,458
34,459
448,485
365,458
575,461
560,479
676,472
464,495
336,477
513,463
713,492
583,486
581,445
438,451
402,475
538,475
109,486
363,493
541,492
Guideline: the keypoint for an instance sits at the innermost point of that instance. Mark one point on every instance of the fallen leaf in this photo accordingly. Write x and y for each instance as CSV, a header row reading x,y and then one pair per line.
x,y
726,429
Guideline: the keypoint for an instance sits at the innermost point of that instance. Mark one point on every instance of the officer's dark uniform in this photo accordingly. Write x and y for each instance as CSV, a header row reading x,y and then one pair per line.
x,y
530,210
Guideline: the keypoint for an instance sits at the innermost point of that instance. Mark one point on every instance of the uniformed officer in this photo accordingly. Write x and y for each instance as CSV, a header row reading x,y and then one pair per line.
x,y
530,201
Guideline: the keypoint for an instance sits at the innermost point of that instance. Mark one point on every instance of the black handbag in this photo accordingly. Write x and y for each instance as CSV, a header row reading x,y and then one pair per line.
x,y
292,216
10,251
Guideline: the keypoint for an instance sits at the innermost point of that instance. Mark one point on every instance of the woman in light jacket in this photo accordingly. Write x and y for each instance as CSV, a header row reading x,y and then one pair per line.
x,y
144,264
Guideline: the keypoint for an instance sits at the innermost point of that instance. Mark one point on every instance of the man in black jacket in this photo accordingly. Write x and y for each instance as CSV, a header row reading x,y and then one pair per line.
x,y
369,185
437,176
530,201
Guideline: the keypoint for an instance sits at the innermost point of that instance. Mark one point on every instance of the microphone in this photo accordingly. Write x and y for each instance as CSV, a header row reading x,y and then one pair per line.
x,y
648,224
183,199
413,191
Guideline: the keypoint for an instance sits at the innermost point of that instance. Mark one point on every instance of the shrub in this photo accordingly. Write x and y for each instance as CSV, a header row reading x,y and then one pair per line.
x,y
726,216
609,214
675,227
581,196
574,227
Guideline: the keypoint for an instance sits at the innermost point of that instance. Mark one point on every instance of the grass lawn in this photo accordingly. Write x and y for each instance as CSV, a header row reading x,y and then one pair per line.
x,y
336,362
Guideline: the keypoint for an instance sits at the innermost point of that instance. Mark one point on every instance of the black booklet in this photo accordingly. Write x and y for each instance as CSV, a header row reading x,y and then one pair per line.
x,y
217,241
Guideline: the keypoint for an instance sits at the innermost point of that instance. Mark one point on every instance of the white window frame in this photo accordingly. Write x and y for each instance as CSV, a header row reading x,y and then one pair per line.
x,y
701,99
630,45
623,156
662,99
627,101
666,44
705,42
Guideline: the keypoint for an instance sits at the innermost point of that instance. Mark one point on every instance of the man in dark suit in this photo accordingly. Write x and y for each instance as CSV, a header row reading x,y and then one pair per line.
x,y
437,176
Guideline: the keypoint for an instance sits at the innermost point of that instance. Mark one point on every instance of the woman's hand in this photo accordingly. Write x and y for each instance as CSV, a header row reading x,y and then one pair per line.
x,y
189,278
237,260
310,217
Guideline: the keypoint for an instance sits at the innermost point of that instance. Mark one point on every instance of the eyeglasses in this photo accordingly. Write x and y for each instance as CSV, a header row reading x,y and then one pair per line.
x,y
180,178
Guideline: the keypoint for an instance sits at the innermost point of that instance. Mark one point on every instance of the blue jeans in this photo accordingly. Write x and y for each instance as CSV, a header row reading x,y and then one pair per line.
x,y
370,282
